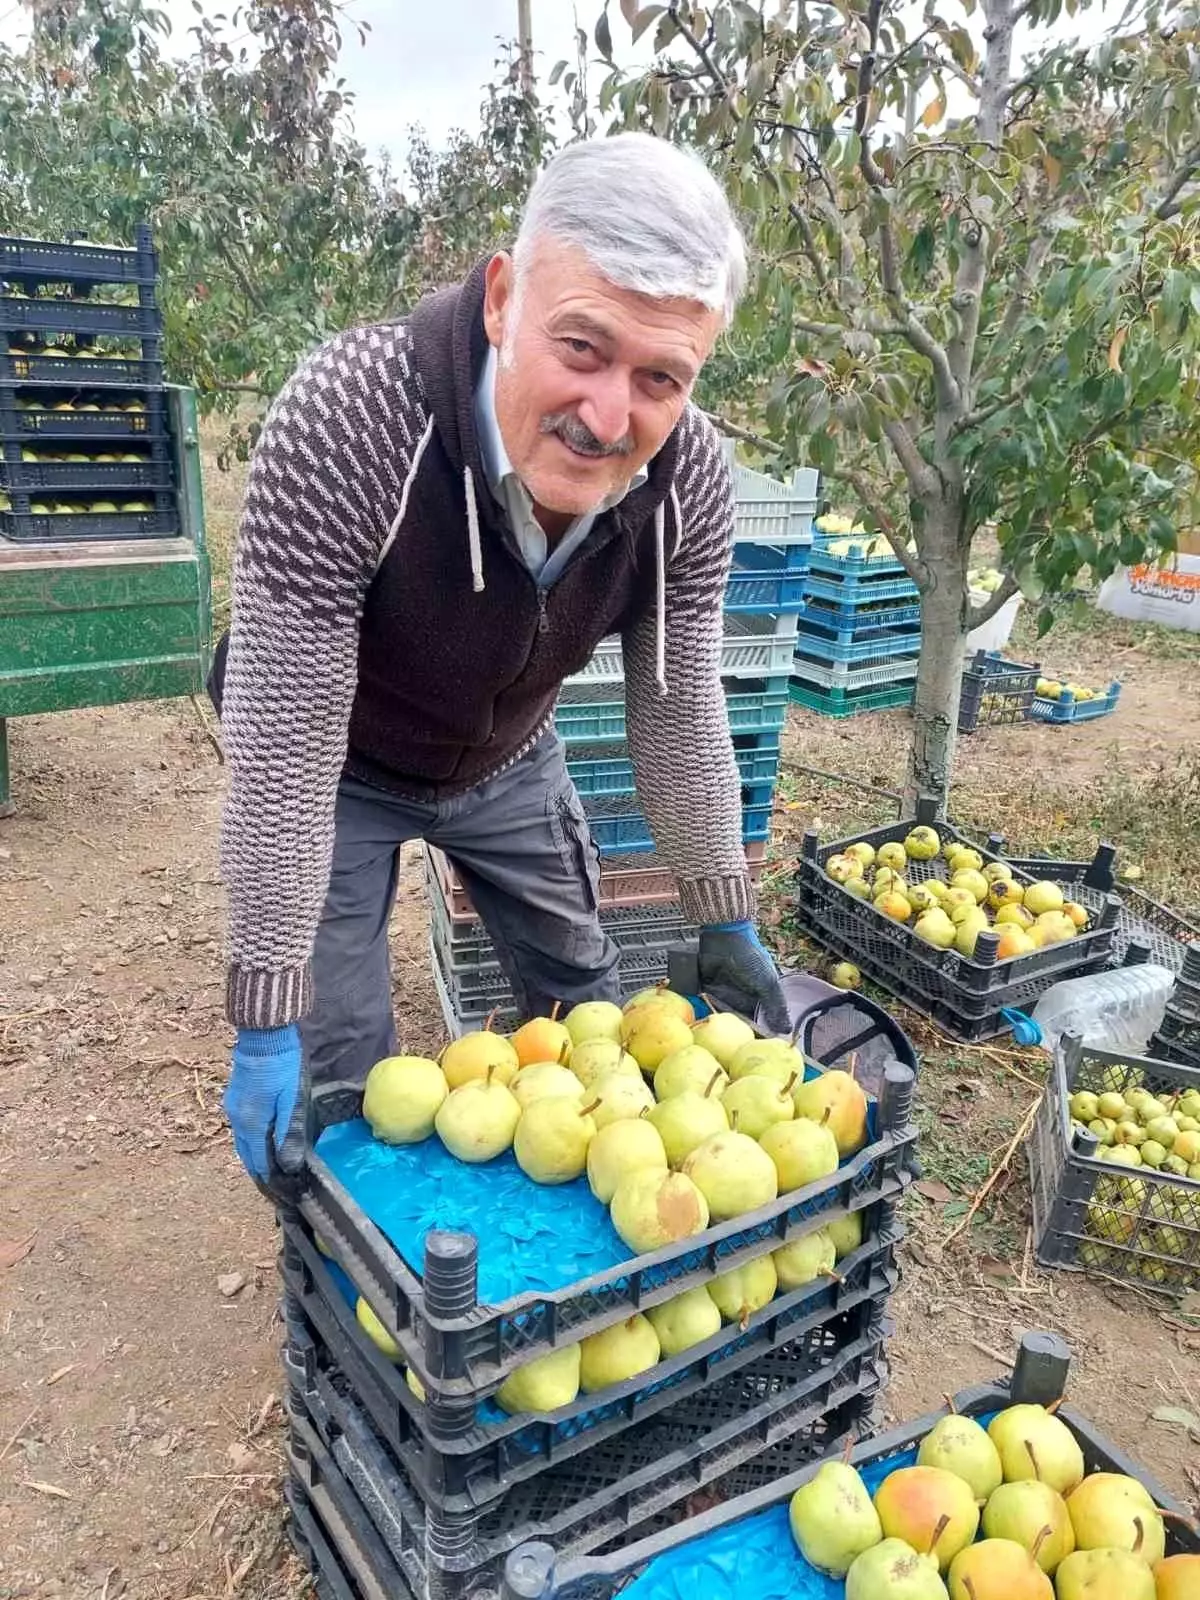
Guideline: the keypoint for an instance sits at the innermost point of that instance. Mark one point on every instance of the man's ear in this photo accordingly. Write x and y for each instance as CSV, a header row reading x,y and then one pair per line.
x,y
498,280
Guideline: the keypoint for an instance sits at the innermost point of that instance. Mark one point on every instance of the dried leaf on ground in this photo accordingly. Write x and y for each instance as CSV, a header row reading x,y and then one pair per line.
x,y
932,1190
14,1250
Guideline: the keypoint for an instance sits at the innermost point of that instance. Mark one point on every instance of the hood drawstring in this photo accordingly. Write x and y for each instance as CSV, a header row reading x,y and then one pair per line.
x,y
660,601
473,544
405,490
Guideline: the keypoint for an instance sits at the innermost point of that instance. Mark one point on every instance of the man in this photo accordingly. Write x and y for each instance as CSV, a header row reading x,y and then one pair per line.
x,y
444,517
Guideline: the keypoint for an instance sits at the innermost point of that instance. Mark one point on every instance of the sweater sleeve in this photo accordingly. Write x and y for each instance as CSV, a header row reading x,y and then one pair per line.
x,y
326,478
687,779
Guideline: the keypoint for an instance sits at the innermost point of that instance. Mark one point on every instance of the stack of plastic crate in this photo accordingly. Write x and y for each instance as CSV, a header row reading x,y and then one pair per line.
x,y
84,444
639,905
859,633
409,1478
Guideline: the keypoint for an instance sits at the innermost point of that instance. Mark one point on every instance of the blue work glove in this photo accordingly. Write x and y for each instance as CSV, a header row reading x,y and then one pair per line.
x,y
739,974
266,1101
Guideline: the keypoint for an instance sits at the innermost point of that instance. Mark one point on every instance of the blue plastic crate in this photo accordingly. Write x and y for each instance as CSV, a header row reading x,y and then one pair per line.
x,y
1068,709
607,770
595,713
617,830
872,644
822,559
852,591
766,578
851,616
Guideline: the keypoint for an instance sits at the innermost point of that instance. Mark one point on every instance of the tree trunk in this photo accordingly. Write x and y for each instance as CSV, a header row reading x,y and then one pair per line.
x,y
944,610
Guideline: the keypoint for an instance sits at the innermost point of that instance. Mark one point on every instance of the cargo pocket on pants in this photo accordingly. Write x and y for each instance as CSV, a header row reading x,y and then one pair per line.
x,y
579,855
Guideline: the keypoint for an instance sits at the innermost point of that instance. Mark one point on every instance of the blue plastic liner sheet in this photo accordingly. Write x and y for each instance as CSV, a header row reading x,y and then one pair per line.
x,y
757,1557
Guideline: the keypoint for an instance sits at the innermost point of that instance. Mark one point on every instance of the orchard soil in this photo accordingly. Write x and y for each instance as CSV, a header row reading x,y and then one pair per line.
x,y
140,1428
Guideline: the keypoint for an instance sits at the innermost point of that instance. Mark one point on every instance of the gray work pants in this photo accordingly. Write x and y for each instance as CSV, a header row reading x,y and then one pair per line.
x,y
521,845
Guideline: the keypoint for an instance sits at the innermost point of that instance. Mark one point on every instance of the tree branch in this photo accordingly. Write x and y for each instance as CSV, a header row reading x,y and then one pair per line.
x,y
984,413
733,430
978,615
920,474
697,45
912,564
1168,206
1002,338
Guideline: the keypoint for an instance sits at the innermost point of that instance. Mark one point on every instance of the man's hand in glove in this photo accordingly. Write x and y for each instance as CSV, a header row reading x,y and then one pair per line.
x,y
265,1102
738,973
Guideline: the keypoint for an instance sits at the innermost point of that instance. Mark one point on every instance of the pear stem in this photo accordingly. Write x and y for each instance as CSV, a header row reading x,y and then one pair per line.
x,y
1054,1405
710,1002
564,1054
1037,1471
791,1083
712,1082
733,1121
852,1064
587,1110
943,1524
849,1449
554,1010
488,1074
1040,1540
1180,1516
969,1587
826,1114
950,1406
1140,1526
490,1018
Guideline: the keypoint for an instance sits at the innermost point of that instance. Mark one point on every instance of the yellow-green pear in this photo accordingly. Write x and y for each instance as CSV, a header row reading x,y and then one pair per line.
x,y
543,1080
476,1055
740,1292
835,1099
616,1097
997,1569
832,1519
1104,1575
652,1034
552,1138
1113,1512
476,1121
596,1058
754,1104
375,1330
687,1119
959,1445
802,1150
846,1233
1034,1444
733,1173
1023,1512
768,1058
544,1384
401,1098
803,1260
651,1210
622,1148
688,1319
722,1034
617,1354
893,1570
594,1019
692,1068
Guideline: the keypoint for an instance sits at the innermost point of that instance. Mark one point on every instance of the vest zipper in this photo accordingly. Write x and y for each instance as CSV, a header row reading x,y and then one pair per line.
x,y
543,624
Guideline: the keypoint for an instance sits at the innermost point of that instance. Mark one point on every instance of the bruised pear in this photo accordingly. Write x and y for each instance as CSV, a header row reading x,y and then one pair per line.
x,y
1110,1511
617,1354
740,1292
596,1058
997,1569
960,1445
1034,1444
651,1210
893,1570
545,1384
832,1519
1104,1575
930,1509
688,1319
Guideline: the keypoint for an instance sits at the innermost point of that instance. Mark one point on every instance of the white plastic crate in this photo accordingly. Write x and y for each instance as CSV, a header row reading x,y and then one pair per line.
x,y
840,675
769,511
753,647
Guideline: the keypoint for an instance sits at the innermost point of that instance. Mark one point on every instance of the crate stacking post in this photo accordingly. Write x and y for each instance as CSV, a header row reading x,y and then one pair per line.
x,y
859,634
639,904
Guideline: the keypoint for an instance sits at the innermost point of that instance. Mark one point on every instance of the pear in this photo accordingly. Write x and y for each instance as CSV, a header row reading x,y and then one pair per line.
x,y
834,1099
1021,1511
832,1519
475,1054
893,1570
1104,1575
1178,1578
733,1173
804,1259
1110,1511
692,1068
616,1097
618,1353
930,1509
768,1058
542,1039
723,1035
755,1104
415,1386
997,1569
477,1120
688,1319
596,1058
594,1019
545,1384
960,1445
620,1149
802,1151
1034,1444
740,1292
375,1330
552,1138
653,1033
846,1233
401,1098
653,1209
686,1120
676,1005
543,1080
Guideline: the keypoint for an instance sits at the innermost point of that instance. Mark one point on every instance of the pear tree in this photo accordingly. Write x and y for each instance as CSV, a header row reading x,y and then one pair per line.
x,y
975,302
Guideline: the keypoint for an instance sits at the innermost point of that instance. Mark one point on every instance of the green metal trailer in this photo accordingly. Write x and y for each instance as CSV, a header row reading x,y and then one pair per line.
x,y
98,624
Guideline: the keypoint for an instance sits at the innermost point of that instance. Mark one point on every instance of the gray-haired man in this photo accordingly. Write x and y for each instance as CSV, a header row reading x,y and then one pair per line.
x,y
445,516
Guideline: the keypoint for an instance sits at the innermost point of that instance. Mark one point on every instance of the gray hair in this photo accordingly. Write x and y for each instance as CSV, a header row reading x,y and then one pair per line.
x,y
648,215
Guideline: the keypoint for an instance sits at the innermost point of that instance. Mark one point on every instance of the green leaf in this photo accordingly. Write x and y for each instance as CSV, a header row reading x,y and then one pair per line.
x,y
603,36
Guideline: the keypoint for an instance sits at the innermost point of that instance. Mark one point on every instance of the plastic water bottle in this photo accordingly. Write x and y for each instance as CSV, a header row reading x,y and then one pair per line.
x,y
1108,1010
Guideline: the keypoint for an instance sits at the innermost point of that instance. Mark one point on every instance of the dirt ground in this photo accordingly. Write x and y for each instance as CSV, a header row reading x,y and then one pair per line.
x,y
140,1442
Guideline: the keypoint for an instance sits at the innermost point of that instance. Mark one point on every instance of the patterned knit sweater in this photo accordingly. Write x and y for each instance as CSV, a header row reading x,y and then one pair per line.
x,y
344,483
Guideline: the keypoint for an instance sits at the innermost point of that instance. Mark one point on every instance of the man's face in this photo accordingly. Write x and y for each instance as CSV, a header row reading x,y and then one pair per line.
x,y
591,378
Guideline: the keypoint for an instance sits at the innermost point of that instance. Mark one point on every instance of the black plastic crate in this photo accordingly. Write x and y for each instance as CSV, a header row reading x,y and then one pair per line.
x,y
47,314
995,691
151,471
83,370
460,1349
538,1571
23,421
30,527
491,1451
620,1483
83,262
1137,1224
964,995
330,1575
